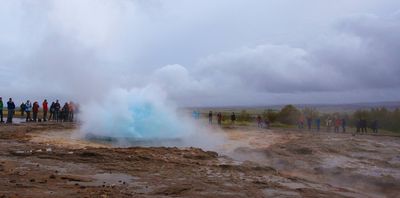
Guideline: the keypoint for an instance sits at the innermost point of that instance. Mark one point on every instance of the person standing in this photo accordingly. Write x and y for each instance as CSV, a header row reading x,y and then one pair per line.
x,y
266,123
51,117
318,123
337,125
71,107
65,112
233,118
344,125
375,126
45,110
11,110
259,122
210,115
1,110
309,123
57,108
364,126
358,126
35,111
28,109
300,123
194,114
22,109
219,118
328,124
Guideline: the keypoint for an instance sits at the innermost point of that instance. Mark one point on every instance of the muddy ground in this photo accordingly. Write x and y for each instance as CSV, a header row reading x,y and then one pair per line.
x,y
42,160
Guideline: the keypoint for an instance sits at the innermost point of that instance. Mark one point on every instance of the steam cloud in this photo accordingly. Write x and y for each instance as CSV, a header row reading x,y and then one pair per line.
x,y
143,117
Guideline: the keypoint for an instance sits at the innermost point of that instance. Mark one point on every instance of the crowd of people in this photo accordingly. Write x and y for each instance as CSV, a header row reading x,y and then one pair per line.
x,y
221,118
336,124
30,111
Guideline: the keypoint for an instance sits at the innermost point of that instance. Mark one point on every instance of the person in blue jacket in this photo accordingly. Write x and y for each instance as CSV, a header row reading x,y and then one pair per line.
x,y
318,123
28,109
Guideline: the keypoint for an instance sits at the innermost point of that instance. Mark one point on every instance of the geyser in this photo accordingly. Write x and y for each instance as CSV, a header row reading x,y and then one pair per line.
x,y
142,117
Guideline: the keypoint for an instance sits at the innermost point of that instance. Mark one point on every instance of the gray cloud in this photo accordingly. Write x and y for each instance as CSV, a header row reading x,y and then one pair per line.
x,y
202,52
360,57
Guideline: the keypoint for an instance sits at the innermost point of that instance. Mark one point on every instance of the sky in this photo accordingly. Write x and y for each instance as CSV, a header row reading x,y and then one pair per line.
x,y
202,52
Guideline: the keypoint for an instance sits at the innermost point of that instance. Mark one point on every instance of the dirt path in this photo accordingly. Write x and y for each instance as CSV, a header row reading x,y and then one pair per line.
x,y
41,160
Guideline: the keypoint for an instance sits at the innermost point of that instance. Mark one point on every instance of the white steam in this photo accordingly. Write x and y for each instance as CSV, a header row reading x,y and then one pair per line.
x,y
142,117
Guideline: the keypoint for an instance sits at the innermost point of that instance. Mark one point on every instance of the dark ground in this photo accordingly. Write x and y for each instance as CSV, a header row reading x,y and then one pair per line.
x,y
39,160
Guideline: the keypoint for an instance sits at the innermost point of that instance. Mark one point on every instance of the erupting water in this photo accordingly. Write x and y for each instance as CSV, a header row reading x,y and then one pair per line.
x,y
140,117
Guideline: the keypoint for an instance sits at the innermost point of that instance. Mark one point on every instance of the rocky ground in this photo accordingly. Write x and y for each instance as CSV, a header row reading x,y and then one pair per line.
x,y
42,160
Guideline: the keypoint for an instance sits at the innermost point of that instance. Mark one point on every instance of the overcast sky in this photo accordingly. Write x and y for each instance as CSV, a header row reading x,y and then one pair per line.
x,y
202,52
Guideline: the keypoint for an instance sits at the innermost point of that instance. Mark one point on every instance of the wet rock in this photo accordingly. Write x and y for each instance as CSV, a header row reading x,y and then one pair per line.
x,y
43,181
88,154
200,155
75,178
20,153
173,190
302,151
22,173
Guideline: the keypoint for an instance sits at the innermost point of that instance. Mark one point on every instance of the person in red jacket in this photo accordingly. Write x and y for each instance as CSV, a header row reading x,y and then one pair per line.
x,y
45,110
35,110
338,123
